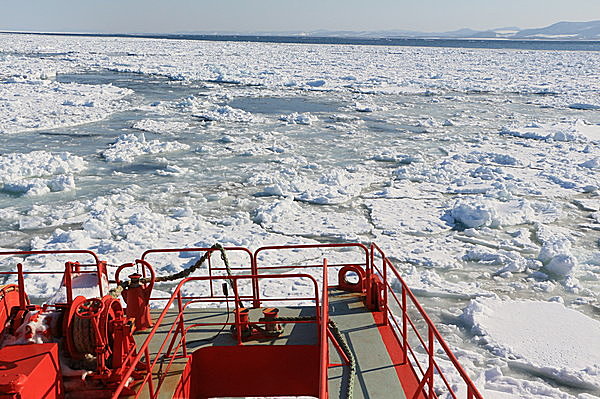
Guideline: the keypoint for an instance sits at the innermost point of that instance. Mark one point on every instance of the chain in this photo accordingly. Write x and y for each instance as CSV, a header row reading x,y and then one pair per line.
x,y
352,366
348,388
115,292
186,272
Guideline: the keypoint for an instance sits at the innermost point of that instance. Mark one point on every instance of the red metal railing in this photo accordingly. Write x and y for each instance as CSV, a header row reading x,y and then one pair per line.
x,y
362,258
404,325
323,338
175,336
244,267
70,268
425,373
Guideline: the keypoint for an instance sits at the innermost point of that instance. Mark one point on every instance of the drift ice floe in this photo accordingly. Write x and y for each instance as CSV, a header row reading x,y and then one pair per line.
x,y
364,336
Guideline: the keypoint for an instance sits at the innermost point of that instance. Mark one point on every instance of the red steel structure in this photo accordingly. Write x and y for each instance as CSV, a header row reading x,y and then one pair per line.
x,y
136,356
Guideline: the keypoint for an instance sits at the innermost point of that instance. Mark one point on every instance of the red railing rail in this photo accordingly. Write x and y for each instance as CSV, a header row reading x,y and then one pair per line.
x,y
176,333
248,267
299,247
67,272
323,338
434,338
403,326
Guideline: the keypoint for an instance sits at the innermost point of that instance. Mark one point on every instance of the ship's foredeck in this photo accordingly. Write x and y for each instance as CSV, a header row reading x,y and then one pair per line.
x,y
377,359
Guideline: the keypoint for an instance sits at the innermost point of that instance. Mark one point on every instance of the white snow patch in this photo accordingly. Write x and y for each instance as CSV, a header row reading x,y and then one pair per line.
x,y
299,118
287,216
408,215
479,212
566,131
31,105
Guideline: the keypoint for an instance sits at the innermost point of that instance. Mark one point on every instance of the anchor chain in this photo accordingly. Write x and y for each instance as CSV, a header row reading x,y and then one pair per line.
x,y
115,292
347,390
352,366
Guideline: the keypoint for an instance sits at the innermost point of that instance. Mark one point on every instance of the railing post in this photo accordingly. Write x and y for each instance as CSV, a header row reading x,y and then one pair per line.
x,y
68,282
21,281
323,338
212,291
430,370
404,326
371,262
385,293
238,321
255,287
181,322
149,370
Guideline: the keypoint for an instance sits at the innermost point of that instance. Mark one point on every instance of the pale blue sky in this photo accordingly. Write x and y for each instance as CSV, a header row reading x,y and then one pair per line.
x,y
160,16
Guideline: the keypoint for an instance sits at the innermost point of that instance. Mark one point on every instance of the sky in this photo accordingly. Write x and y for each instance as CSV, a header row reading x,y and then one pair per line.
x,y
170,16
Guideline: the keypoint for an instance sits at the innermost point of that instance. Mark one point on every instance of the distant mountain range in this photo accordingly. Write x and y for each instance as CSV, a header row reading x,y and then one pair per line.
x,y
558,31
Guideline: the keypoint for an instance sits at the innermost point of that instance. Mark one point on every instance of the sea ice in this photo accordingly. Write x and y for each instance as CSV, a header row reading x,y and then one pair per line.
x,y
33,105
39,172
160,127
129,146
543,338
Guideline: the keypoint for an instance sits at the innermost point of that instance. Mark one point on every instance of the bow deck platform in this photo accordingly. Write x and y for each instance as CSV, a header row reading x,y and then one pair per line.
x,y
377,374
252,324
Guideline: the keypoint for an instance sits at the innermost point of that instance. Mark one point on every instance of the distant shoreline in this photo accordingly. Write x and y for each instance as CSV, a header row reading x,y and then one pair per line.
x,y
487,43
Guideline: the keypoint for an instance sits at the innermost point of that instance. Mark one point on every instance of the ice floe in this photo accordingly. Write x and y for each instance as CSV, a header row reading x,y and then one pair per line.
x,y
543,338
43,104
160,126
129,146
39,172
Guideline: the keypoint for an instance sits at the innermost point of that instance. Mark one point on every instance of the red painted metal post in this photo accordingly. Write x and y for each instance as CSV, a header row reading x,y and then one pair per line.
x,y
21,281
238,321
255,287
338,348
371,262
101,271
324,363
385,292
431,368
68,282
149,369
212,291
181,322
404,326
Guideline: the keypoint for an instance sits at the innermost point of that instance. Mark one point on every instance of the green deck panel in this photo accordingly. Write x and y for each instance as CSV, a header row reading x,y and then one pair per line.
x,y
376,376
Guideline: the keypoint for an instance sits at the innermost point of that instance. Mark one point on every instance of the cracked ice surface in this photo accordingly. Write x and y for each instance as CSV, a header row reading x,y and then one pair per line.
x,y
476,170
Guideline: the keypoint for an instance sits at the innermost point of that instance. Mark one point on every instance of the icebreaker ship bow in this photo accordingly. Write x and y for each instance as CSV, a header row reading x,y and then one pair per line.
x,y
274,322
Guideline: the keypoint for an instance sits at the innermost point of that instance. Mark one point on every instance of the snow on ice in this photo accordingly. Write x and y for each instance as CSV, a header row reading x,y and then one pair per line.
x,y
129,146
545,338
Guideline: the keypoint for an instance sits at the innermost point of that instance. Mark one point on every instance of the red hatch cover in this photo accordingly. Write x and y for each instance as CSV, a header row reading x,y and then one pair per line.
x,y
32,371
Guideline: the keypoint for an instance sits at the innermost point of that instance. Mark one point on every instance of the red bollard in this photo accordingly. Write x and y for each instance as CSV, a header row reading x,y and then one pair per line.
x,y
270,317
137,297
136,294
